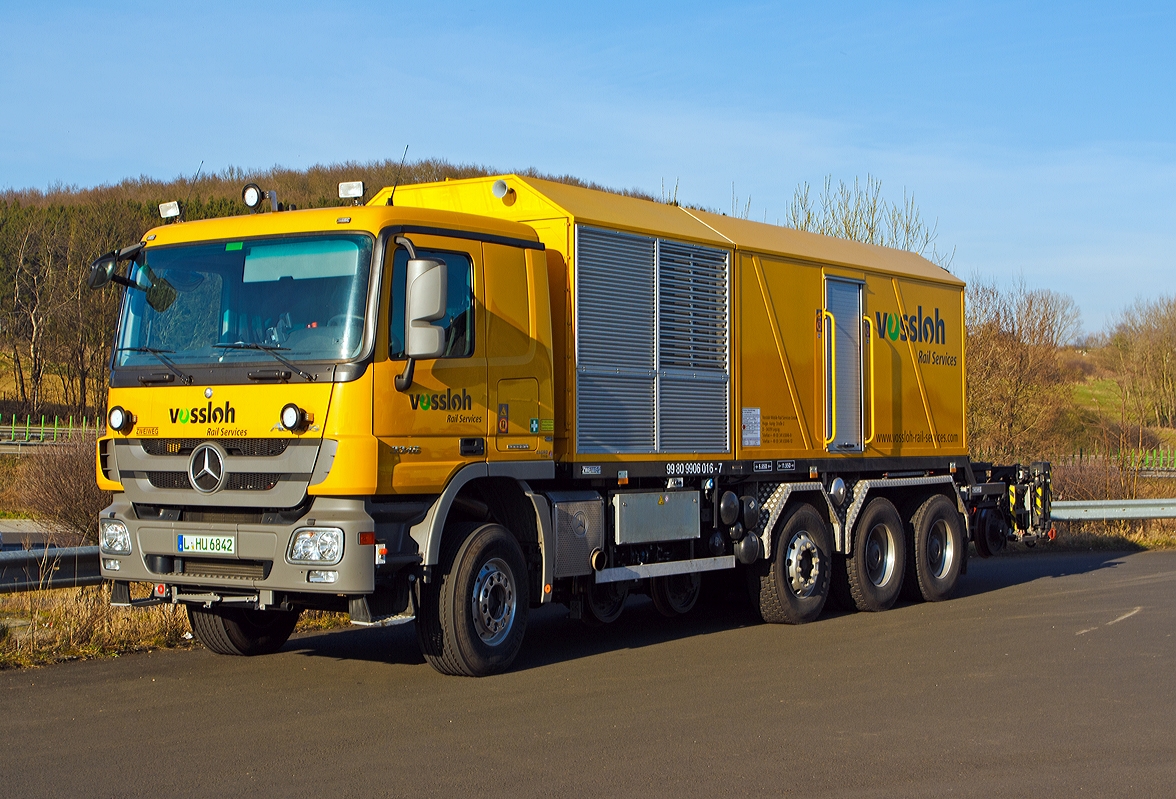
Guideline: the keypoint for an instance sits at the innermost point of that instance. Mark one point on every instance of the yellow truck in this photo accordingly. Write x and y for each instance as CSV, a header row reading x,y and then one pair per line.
x,y
463,400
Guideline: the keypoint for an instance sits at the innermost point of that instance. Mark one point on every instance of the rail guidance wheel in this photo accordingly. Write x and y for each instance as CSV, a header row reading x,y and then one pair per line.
x,y
603,602
241,631
796,585
939,548
675,594
474,619
878,560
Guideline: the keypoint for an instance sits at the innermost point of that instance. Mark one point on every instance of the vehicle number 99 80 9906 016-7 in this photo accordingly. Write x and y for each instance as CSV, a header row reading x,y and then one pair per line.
x,y
683,468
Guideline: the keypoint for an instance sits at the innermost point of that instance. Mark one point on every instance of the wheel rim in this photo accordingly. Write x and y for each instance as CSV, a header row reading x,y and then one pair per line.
x,y
940,550
880,554
803,564
494,602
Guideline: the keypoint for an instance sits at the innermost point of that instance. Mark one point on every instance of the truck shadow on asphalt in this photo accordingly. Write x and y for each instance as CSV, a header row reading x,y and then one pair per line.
x,y
553,637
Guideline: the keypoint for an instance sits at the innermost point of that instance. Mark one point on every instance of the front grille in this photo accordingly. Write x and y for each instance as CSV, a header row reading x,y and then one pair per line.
x,y
244,447
234,481
169,479
233,569
249,481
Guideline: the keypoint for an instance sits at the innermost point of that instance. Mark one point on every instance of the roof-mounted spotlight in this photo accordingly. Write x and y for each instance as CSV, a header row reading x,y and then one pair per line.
x,y
504,192
169,210
252,195
351,190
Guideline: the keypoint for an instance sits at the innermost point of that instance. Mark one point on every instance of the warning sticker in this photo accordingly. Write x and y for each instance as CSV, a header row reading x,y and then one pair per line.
x,y
751,427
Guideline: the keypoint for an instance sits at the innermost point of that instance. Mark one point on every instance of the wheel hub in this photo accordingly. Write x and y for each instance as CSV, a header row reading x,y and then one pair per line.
x,y
494,602
940,551
803,564
879,555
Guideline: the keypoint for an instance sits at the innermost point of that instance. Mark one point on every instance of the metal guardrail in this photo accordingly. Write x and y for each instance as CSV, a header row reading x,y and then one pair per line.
x,y
48,567
1102,510
16,433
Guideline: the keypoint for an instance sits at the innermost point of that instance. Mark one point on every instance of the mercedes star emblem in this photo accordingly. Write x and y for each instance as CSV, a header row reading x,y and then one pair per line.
x,y
206,469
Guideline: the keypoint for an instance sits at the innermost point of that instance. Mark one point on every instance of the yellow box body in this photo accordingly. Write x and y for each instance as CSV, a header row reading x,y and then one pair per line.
x,y
912,384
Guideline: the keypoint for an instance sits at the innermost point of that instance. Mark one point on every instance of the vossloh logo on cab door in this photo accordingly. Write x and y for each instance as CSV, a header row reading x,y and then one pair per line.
x,y
449,401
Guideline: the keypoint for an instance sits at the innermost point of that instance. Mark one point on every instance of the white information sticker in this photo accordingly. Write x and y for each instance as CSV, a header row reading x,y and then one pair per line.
x,y
751,427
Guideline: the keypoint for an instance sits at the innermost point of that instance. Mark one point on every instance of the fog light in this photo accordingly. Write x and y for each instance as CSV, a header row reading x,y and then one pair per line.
x,y
114,536
111,565
316,545
322,576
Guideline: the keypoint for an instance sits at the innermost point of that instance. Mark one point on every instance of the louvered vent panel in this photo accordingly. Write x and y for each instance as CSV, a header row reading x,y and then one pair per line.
x,y
692,307
615,311
652,345
614,413
693,314
692,415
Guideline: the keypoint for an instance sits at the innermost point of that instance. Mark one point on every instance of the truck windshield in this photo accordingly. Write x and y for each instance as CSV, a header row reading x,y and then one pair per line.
x,y
302,297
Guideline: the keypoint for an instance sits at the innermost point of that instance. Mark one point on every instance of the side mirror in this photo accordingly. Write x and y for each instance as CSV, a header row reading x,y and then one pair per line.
x,y
101,270
426,282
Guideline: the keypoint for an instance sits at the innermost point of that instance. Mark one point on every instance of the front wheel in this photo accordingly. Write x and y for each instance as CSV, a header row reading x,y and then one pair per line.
x,y
472,620
241,631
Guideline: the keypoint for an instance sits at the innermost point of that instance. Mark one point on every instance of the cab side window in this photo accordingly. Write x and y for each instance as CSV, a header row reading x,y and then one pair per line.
x,y
459,305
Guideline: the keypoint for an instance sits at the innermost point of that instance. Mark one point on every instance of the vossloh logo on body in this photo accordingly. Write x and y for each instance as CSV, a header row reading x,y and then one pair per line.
x,y
205,415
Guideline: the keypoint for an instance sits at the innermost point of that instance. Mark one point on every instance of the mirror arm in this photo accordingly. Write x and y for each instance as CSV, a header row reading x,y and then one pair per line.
x,y
127,253
404,379
406,244
122,281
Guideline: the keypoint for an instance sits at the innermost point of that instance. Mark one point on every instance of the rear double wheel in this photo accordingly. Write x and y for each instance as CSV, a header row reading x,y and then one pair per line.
x,y
877,562
228,630
793,587
472,619
936,533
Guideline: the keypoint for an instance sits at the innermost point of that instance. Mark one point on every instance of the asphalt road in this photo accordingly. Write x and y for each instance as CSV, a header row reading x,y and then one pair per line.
x,y
1050,675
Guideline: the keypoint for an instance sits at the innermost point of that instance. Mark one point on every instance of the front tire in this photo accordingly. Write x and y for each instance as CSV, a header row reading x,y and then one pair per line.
x,y
474,616
876,566
796,583
242,631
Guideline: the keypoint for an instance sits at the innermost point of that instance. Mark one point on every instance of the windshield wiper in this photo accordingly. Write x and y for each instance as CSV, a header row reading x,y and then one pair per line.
x,y
161,356
268,348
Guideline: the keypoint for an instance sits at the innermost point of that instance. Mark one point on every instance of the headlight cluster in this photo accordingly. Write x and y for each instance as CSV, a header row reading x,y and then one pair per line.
x,y
115,538
321,546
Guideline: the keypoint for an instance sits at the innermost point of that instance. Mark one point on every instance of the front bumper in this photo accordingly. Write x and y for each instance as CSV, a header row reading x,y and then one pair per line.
x,y
260,561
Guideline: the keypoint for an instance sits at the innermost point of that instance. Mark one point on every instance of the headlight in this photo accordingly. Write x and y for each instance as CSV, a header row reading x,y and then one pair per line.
x,y
115,537
316,545
120,419
294,418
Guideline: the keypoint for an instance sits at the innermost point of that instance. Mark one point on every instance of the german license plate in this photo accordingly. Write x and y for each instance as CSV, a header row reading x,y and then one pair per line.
x,y
215,544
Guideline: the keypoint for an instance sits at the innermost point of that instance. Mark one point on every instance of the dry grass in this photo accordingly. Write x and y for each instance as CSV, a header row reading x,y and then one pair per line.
x,y
42,627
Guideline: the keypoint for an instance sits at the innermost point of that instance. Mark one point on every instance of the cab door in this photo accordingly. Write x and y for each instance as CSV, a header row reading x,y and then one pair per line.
x,y
518,339
440,422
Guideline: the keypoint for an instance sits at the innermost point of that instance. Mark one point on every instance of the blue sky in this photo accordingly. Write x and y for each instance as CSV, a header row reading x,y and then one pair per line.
x,y
1042,138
